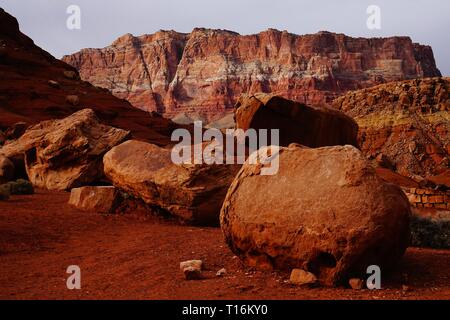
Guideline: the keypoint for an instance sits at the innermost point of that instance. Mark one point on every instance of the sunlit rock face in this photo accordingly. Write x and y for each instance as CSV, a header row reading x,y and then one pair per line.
x,y
205,71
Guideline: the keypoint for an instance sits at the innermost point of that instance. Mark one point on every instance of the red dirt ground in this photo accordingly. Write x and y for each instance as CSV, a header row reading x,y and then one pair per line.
x,y
129,257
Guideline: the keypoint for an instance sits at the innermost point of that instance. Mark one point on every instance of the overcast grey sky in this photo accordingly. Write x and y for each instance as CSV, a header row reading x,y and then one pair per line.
x,y
102,21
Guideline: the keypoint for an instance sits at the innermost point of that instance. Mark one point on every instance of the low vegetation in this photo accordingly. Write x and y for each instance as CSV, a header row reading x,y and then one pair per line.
x,y
429,232
19,186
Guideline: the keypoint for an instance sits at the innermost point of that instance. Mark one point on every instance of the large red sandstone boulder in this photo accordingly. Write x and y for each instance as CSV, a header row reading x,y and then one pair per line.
x,y
192,192
325,211
298,123
67,153
103,199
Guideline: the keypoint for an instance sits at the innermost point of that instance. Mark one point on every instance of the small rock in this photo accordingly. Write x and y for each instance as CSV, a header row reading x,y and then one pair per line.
x,y
191,263
302,277
54,84
4,192
73,100
19,186
70,75
221,272
192,269
356,284
103,199
191,273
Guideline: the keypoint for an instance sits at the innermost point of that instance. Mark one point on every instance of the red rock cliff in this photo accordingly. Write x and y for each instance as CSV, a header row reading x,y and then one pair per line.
x,y
207,70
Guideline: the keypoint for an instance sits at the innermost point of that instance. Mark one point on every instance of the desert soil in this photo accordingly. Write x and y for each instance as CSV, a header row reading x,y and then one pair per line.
x,y
137,257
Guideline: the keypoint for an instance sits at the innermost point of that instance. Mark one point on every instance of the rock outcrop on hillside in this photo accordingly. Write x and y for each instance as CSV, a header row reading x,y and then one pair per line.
x,y
34,86
206,70
406,123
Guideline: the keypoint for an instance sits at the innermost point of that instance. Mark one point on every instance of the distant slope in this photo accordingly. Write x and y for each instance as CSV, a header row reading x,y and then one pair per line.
x,y
27,95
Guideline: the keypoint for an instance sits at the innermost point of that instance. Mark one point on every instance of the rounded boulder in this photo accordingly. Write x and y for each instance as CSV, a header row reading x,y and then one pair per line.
x,y
325,211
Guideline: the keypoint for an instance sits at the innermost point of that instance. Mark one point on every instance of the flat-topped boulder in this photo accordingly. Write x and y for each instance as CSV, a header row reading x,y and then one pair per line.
x,y
192,192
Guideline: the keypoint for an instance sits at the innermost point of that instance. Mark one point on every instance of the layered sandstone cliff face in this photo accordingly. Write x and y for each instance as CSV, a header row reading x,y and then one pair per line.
x,y
405,124
34,86
204,72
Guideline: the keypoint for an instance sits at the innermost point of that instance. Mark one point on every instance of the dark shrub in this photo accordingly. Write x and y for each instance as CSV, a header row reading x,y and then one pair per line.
x,y
19,186
427,232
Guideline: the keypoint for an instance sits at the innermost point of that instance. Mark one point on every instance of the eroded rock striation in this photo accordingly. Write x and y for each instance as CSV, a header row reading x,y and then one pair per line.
x,y
206,70
406,124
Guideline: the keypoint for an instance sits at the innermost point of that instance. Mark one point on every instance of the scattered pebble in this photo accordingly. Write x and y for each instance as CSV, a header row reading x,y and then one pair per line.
x,y
54,84
70,74
192,269
221,272
302,277
356,284
73,100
